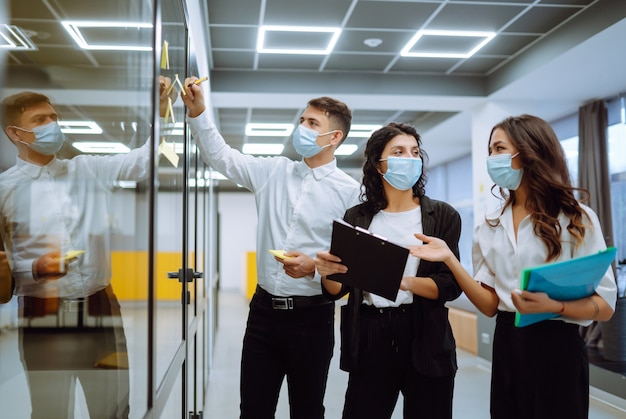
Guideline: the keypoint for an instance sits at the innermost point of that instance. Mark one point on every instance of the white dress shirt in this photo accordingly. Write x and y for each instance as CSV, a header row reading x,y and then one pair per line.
x,y
63,206
499,257
296,204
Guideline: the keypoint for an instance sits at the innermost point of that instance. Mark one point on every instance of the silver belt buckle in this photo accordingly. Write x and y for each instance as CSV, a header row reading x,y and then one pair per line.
x,y
282,303
73,304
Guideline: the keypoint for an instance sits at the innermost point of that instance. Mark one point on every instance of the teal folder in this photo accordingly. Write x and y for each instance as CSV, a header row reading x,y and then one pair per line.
x,y
564,281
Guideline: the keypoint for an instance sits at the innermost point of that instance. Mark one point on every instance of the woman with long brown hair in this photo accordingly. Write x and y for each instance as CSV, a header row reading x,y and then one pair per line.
x,y
540,370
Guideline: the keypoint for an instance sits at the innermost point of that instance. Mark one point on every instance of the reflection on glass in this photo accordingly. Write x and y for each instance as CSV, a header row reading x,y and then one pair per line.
x,y
73,216
170,210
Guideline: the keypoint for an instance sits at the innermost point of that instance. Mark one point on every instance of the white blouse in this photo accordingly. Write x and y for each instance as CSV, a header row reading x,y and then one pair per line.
x,y
499,258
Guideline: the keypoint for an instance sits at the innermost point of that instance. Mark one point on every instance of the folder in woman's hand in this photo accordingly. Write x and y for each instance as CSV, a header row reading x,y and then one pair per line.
x,y
564,281
374,264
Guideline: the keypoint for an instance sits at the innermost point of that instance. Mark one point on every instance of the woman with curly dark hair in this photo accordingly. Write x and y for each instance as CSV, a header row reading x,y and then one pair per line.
x,y
540,370
405,345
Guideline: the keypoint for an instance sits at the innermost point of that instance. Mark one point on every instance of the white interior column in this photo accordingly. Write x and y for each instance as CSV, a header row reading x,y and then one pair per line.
x,y
483,119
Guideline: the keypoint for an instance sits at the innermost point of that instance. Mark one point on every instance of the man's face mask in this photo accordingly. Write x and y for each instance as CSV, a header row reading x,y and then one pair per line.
x,y
403,172
501,172
305,141
48,138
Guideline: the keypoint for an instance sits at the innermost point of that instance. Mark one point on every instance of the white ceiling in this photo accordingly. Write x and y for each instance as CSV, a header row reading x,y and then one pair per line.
x,y
549,57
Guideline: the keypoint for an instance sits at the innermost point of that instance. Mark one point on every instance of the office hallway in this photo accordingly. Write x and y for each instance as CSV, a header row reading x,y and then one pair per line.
x,y
471,399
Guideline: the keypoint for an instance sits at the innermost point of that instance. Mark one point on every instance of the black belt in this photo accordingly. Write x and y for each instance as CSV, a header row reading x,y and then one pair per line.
x,y
290,303
373,311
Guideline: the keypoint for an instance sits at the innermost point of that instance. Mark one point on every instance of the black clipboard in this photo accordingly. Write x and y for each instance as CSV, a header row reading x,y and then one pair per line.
x,y
374,264
564,281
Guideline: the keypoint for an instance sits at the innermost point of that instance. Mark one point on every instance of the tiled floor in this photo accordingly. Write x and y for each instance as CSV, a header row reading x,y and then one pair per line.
x,y
471,398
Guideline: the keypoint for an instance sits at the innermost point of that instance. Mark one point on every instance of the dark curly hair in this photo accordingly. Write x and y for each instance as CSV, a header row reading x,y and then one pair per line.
x,y
547,179
372,192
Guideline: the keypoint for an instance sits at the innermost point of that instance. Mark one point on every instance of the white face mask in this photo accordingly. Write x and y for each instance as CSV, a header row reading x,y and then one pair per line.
x,y
48,138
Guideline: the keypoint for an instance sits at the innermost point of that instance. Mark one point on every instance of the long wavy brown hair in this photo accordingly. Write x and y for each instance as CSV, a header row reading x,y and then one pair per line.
x,y
549,188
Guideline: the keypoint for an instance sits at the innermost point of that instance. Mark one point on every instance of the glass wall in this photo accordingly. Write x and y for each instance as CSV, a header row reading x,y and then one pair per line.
x,y
109,236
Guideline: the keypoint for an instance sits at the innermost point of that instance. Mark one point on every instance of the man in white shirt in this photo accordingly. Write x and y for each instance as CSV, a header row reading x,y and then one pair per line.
x,y
54,223
290,325
6,285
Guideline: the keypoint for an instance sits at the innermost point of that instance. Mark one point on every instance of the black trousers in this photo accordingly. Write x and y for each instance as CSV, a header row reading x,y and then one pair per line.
x,y
62,342
538,371
280,342
385,369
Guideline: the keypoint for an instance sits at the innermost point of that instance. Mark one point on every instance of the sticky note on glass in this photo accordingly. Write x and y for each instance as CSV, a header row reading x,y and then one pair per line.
x,y
169,153
165,59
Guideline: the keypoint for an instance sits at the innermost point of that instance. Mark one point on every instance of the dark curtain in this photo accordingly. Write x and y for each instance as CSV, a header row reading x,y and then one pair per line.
x,y
593,175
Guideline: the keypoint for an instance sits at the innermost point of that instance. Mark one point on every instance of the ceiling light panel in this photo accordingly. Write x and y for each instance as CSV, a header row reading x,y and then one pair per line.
x,y
268,130
100,147
346,149
14,38
416,46
263,149
111,36
80,127
362,130
291,39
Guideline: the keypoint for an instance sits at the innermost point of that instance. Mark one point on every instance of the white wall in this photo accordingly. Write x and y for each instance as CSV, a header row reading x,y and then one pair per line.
x,y
237,235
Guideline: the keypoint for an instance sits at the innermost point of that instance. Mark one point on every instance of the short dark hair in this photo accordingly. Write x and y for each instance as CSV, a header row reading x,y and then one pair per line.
x,y
338,113
15,105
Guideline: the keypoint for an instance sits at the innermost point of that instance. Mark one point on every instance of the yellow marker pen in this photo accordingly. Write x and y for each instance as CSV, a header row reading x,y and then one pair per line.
x,y
198,81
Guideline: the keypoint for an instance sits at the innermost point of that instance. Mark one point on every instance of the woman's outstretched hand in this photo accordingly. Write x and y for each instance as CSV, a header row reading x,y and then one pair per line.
x,y
433,249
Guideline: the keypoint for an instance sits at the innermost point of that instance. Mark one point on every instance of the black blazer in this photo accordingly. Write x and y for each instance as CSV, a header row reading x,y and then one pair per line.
x,y
433,348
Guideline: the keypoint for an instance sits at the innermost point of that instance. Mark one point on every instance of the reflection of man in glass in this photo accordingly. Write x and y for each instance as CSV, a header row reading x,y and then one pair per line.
x,y
5,278
54,222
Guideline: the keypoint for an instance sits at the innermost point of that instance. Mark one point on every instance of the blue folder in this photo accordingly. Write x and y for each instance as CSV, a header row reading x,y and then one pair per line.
x,y
564,281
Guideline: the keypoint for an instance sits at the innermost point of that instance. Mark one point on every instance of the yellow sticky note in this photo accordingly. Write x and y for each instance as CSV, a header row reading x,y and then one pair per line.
x,y
73,254
177,81
280,254
165,59
169,153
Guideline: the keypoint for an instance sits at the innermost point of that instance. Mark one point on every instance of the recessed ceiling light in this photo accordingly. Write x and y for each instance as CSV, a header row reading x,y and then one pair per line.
x,y
80,127
215,175
172,129
14,38
268,130
100,147
406,51
362,130
73,28
263,30
262,149
346,149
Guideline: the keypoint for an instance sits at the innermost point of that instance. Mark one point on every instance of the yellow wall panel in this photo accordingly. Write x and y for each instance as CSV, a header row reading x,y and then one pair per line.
x,y
130,275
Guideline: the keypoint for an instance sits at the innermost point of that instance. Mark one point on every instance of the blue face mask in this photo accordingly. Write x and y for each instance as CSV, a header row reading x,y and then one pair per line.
x,y
304,141
402,172
48,138
501,172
